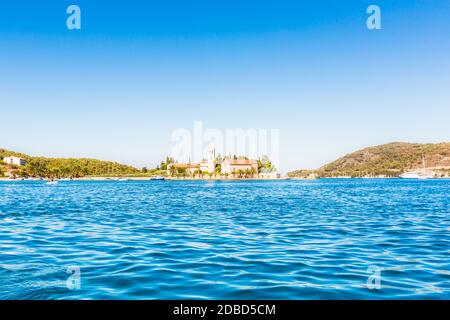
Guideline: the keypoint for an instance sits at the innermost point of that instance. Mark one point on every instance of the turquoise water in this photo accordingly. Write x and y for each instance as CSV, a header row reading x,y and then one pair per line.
x,y
225,240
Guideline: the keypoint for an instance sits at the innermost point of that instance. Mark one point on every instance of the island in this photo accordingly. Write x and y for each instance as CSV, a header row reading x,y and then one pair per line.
x,y
15,165
391,160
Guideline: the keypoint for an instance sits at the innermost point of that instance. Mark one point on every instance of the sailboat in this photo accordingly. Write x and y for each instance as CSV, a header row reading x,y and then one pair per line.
x,y
420,174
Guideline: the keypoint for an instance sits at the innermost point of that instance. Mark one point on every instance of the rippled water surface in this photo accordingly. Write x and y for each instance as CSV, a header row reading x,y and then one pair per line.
x,y
226,240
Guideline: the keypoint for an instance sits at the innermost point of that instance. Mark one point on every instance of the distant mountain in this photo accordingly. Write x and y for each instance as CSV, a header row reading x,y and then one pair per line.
x,y
62,167
389,160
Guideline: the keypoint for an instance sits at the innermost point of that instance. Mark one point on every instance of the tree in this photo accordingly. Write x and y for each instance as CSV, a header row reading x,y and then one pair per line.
x,y
22,172
165,164
77,171
38,167
264,164
172,170
218,170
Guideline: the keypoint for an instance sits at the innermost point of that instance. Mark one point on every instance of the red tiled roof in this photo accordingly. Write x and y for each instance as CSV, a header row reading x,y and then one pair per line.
x,y
183,165
237,162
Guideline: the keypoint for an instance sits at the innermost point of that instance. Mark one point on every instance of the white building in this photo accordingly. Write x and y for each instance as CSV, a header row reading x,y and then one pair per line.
x,y
204,166
230,166
16,161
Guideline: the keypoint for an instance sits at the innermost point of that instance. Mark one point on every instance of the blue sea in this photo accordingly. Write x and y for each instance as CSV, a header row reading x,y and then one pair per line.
x,y
322,239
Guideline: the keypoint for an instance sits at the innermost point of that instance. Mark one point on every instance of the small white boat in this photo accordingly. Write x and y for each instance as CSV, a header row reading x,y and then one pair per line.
x,y
422,175
52,182
409,175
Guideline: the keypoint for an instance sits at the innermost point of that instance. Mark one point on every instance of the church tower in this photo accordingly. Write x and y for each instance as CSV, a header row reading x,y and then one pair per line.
x,y
211,158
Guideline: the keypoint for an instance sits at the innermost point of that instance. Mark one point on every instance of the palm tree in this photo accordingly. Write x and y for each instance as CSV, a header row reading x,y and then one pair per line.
x,y
218,170
172,170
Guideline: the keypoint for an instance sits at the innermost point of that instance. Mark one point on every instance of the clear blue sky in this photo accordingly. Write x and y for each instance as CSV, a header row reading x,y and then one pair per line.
x,y
137,70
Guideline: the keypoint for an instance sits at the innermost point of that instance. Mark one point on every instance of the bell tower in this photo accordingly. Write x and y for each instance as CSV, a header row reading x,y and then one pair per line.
x,y
211,158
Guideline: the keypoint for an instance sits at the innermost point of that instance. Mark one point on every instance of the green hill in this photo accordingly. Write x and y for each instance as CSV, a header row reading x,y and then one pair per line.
x,y
64,168
389,160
